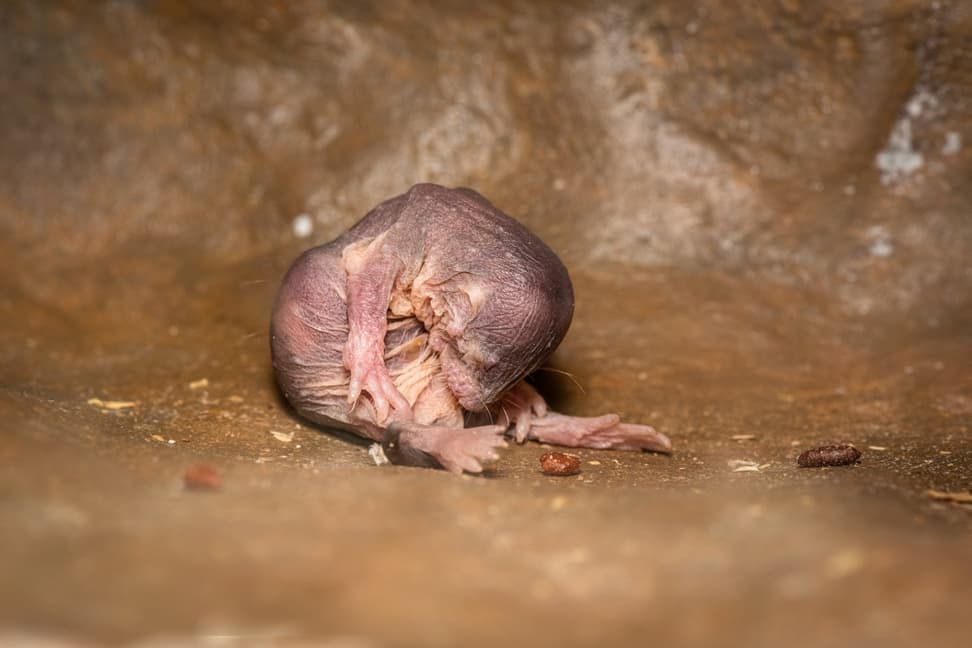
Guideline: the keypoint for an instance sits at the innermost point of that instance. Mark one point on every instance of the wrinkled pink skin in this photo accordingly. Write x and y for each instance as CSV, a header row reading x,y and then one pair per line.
x,y
416,328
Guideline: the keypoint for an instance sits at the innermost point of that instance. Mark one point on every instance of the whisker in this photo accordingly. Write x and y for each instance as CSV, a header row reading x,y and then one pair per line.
x,y
488,413
565,373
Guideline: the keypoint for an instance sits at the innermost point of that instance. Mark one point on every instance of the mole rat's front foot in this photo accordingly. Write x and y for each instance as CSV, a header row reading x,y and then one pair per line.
x,y
455,449
369,374
534,421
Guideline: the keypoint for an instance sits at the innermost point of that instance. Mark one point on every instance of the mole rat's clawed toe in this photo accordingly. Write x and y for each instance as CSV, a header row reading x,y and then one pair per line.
x,y
642,437
371,376
455,449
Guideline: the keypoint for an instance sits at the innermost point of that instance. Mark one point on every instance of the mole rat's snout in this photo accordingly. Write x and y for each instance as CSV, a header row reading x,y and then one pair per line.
x,y
517,329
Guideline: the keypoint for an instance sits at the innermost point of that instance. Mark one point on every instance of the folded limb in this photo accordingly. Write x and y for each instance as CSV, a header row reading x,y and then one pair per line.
x,y
372,270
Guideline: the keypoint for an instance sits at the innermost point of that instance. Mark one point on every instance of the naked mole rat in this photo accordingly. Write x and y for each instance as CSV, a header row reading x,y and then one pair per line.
x,y
416,328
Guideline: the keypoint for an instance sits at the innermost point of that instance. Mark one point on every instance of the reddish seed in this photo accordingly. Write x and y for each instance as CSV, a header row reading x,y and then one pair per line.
x,y
558,463
832,455
202,477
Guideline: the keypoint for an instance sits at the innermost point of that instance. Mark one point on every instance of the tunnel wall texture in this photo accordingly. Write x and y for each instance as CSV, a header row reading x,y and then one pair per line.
x,y
818,143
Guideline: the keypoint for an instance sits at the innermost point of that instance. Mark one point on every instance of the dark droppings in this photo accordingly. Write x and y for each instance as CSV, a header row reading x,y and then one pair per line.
x,y
202,477
831,455
559,464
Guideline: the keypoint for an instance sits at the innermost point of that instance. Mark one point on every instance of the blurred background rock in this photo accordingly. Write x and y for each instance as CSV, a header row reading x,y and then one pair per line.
x,y
817,143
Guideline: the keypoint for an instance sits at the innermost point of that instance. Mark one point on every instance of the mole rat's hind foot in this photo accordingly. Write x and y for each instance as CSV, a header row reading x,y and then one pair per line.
x,y
601,432
453,448
526,407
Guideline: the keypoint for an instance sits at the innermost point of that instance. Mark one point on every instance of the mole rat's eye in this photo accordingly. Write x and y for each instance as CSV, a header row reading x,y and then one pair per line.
x,y
474,355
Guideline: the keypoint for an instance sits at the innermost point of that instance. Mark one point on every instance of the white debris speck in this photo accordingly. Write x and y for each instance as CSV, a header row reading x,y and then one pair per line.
x,y
303,226
898,159
880,246
377,454
199,384
953,143
171,441
881,249
111,404
559,184
285,437
850,190
744,465
919,102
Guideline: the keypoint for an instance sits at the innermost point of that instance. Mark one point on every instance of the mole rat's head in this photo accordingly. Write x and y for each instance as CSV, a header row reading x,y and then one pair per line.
x,y
524,314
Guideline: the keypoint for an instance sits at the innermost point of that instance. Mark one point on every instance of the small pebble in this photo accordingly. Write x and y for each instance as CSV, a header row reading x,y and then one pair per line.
x,y
958,498
377,454
283,437
303,226
832,455
202,477
560,464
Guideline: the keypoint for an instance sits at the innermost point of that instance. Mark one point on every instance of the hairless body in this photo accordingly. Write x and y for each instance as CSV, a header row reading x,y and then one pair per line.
x,y
416,328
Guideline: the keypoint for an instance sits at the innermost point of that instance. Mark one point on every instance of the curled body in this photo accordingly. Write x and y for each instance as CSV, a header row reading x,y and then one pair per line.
x,y
416,328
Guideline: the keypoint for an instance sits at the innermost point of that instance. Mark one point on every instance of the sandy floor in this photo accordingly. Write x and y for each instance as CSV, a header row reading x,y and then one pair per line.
x,y
307,540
